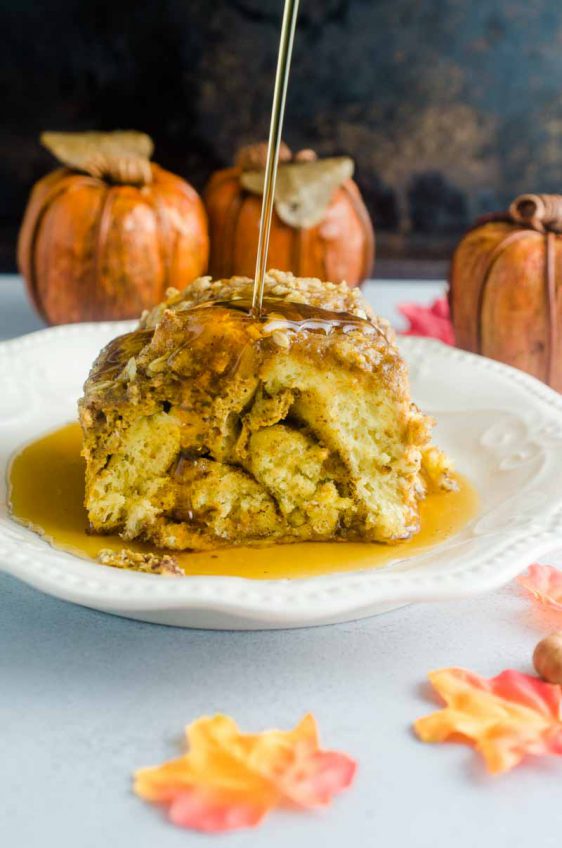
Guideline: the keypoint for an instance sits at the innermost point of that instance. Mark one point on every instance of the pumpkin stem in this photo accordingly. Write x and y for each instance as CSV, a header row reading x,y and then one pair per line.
x,y
542,212
306,155
118,157
253,157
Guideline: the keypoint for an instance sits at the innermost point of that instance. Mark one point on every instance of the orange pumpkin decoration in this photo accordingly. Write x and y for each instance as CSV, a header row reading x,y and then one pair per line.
x,y
504,287
320,225
105,236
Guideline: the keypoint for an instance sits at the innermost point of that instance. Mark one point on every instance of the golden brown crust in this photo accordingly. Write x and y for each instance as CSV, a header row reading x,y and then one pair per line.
x,y
337,297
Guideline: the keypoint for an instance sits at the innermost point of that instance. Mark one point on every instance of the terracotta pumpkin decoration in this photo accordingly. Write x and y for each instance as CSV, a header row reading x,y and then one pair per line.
x,y
506,287
105,236
320,225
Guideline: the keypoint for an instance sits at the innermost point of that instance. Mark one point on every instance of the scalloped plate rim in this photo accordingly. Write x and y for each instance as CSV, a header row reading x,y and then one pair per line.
x,y
277,603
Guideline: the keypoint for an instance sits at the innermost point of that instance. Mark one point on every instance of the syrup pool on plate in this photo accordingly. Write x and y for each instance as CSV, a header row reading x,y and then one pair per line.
x,y
47,494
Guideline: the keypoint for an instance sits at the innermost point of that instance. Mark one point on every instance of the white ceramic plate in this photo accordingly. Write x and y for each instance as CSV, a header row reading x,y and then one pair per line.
x,y
503,428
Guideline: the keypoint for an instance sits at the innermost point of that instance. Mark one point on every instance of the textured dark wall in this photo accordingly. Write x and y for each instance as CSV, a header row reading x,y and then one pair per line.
x,y
449,107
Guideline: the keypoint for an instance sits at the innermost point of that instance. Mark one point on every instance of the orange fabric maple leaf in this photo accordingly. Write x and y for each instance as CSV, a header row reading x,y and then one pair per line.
x,y
505,718
544,584
229,779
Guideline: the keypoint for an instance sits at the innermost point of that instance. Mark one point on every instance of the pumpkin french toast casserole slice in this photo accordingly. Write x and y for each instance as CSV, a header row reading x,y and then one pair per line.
x,y
208,427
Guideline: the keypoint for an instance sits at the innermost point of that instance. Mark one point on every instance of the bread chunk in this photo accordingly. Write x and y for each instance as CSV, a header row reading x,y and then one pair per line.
x,y
209,427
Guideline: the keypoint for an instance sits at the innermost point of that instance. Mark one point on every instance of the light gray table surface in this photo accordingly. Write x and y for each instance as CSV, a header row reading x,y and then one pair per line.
x,y
85,698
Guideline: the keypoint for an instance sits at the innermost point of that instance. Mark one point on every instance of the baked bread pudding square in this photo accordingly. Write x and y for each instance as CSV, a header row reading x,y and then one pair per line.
x,y
208,427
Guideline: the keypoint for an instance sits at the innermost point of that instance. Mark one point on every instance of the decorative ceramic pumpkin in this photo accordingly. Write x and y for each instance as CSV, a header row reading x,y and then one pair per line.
x,y
505,287
105,236
320,225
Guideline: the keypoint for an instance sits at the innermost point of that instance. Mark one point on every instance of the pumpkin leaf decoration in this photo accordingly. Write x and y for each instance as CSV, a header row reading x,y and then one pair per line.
x,y
304,189
121,156
229,780
544,584
505,718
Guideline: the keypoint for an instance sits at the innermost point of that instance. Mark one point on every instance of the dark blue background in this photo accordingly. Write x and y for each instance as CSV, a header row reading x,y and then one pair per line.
x,y
449,107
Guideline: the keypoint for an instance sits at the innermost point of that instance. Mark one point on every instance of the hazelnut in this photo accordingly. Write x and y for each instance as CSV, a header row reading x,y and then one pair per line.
x,y
547,658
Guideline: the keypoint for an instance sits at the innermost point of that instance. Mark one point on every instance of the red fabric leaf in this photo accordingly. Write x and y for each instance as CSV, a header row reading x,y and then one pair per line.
x,y
544,584
432,321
